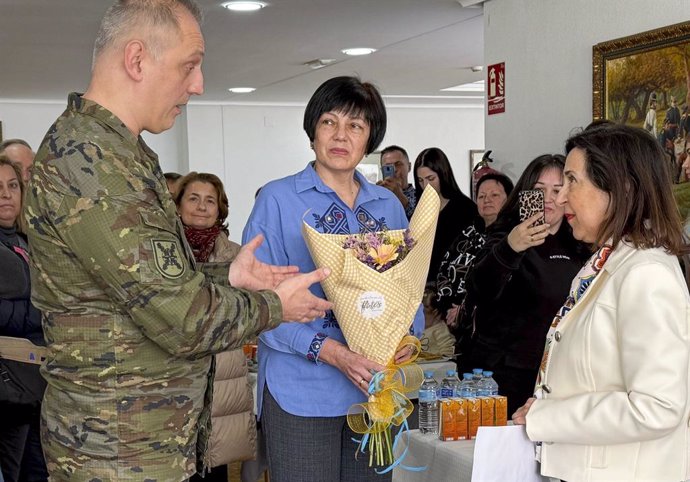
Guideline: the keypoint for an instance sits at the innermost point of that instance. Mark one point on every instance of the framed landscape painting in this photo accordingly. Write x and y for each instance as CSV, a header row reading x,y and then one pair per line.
x,y
644,80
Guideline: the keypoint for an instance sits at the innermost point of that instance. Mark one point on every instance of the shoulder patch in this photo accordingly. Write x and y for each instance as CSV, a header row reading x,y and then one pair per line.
x,y
168,258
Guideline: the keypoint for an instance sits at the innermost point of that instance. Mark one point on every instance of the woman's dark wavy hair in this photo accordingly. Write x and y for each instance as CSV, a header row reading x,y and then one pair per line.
x,y
436,160
629,165
350,96
212,179
509,216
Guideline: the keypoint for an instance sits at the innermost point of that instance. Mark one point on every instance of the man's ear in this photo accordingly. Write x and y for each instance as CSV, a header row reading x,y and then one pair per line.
x,y
135,52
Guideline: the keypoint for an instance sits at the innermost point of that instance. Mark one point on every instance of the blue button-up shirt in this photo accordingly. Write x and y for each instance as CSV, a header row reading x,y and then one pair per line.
x,y
302,386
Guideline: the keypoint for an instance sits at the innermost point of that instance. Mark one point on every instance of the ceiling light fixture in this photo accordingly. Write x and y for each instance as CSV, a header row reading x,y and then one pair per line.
x,y
469,87
358,51
318,63
244,6
241,90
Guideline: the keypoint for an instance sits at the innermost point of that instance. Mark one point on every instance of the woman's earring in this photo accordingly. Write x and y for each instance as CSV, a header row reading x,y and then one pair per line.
x,y
311,146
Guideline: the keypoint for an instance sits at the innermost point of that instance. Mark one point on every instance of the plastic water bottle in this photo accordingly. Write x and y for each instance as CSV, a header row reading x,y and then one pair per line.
x,y
477,375
448,385
483,390
467,388
428,404
456,387
490,384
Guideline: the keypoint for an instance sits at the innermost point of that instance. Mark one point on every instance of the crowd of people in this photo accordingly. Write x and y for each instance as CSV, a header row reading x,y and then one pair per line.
x,y
125,279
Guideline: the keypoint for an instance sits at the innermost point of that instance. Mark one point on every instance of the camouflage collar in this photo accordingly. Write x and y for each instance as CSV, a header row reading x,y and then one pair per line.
x,y
76,102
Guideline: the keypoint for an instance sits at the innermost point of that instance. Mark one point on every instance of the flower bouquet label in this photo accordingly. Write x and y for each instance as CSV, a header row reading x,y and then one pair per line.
x,y
371,304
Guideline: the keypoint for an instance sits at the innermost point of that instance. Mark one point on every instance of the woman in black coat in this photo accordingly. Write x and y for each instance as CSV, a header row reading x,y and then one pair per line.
x,y
518,282
457,210
21,457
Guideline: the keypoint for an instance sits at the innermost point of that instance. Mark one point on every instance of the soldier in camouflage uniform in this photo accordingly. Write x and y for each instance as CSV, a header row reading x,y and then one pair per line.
x,y
131,322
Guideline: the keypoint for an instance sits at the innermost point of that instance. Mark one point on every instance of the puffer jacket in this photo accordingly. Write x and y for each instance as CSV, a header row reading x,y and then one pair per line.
x,y
233,432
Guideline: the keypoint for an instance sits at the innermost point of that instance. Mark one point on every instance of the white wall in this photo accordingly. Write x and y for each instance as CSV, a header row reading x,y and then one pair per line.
x,y
262,143
248,146
547,49
30,120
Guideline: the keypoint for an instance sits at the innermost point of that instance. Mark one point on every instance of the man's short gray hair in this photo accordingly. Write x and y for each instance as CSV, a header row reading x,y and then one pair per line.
x,y
153,18
10,142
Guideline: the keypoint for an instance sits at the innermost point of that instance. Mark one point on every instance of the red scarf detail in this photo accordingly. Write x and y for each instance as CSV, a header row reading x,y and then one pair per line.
x,y
202,241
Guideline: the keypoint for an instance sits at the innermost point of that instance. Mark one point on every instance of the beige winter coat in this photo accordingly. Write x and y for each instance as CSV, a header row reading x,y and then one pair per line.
x,y
233,433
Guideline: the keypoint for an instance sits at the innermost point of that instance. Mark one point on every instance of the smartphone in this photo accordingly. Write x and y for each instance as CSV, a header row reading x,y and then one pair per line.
x,y
531,203
388,170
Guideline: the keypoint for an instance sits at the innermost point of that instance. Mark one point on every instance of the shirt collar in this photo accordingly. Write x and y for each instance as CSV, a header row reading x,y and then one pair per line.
x,y
90,108
78,103
309,179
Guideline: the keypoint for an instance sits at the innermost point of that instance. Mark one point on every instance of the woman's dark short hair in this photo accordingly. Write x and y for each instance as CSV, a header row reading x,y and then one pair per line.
x,y
629,165
502,179
210,179
350,96
509,213
436,160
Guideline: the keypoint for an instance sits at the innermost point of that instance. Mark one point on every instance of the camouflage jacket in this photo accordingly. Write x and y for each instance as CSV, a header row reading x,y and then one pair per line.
x,y
129,320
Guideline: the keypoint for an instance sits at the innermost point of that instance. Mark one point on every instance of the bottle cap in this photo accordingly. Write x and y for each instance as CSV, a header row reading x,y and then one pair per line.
x,y
428,374
477,371
466,376
488,373
449,373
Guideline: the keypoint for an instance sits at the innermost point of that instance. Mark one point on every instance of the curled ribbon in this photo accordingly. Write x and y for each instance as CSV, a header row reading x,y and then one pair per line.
x,y
388,406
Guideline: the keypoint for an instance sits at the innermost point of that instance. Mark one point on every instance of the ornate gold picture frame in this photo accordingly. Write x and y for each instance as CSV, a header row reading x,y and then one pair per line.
x,y
623,52
644,80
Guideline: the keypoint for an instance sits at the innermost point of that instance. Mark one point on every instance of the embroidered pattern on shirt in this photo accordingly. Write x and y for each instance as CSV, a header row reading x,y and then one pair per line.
x,y
333,221
367,222
315,347
329,320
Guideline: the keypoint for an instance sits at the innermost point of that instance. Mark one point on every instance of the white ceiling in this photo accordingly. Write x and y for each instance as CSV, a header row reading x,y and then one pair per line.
x,y
423,46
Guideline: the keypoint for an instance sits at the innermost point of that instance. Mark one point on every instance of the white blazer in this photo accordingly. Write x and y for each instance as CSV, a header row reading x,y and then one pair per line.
x,y
618,407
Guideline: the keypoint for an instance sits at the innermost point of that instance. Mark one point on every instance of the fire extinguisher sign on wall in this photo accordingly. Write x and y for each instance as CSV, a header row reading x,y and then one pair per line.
x,y
496,88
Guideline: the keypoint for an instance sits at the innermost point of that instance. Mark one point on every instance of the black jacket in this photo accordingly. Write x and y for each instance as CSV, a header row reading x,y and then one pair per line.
x,y
18,317
459,213
518,294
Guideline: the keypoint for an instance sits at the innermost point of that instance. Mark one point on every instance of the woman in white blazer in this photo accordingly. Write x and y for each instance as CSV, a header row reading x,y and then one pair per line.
x,y
612,400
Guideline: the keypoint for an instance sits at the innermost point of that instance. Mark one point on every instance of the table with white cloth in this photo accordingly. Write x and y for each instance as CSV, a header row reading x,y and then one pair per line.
x,y
444,461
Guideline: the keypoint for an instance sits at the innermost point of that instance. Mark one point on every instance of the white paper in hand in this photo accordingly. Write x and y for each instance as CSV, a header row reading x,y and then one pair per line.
x,y
504,453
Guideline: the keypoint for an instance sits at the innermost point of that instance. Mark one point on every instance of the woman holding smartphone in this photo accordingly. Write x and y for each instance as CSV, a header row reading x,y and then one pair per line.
x,y
520,279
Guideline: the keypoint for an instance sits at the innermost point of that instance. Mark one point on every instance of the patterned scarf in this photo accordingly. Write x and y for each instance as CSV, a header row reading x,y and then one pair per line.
x,y
202,241
580,283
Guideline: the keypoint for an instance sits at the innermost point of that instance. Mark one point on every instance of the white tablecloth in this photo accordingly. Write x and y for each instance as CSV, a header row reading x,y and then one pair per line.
x,y
445,461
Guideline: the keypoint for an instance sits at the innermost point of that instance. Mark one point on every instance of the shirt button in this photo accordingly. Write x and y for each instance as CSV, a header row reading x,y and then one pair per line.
x,y
546,388
557,336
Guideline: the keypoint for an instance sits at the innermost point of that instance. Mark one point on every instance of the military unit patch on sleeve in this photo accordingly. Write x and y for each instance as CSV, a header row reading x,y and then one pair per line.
x,y
169,260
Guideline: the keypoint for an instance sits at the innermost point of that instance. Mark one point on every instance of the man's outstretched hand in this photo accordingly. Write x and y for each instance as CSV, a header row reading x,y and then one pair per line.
x,y
249,273
299,304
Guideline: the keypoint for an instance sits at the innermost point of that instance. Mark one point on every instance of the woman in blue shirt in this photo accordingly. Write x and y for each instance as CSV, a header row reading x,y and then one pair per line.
x,y
308,377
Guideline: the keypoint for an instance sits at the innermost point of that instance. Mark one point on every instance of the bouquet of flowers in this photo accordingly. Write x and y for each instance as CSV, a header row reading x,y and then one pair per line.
x,y
378,250
376,286
375,309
